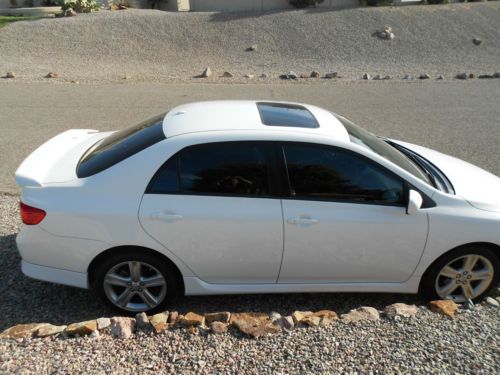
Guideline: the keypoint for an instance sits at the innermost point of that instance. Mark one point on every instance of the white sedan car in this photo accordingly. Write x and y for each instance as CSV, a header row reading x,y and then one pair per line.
x,y
254,197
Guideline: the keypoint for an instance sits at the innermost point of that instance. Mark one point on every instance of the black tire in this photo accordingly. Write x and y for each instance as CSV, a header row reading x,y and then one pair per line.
x,y
174,287
428,282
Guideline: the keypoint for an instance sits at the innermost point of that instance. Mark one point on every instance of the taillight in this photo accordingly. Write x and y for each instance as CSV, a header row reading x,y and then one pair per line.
x,y
31,215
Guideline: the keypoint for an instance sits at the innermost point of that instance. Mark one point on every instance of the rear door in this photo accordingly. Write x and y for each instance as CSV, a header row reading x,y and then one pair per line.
x,y
214,206
345,219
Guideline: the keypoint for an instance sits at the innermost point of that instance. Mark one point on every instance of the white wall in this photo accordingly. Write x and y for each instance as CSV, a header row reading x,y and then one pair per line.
x,y
262,5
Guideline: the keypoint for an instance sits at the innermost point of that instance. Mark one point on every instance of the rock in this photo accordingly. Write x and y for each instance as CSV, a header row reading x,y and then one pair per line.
x,y
327,316
263,75
331,75
366,76
274,316
377,78
223,317
461,76
314,74
440,78
311,320
424,76
192,319
69,13
52,75
172,317
122,328
249,76
227,75
254,325
285,322
468,305
298,316
400,309
206,73
485,76
159,322
496,75
407,76
386,78
50,330
103,323
122,7
477,41
471,75
95,335
22,330
361,314
289,75
82,328
303,75
492,302
142,321
445,307
252,48
218,327
9,75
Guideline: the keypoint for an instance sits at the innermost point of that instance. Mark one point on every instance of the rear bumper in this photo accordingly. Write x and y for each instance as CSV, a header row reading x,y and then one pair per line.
x,y
55,275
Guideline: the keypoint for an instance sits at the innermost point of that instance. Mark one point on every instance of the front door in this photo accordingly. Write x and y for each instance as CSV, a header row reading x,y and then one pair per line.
x,y
346,220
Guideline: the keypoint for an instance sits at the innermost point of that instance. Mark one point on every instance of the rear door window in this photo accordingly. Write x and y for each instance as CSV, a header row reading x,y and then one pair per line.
x,y
120,145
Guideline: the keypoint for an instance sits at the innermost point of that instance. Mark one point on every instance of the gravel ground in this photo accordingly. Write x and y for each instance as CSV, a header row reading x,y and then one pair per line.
x,y
150,45
427,343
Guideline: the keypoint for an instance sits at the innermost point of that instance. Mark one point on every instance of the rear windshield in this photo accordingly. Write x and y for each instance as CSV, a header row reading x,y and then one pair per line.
x,y
121,145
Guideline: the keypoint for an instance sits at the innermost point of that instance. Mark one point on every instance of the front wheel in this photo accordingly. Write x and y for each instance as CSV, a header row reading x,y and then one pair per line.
x,y
462,274
136,282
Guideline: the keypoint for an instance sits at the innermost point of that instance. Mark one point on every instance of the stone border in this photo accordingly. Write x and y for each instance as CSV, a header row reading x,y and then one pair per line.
x,y
251,324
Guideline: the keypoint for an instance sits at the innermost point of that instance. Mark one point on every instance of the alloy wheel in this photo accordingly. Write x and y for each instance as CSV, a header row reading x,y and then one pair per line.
x,y
465,277
135,286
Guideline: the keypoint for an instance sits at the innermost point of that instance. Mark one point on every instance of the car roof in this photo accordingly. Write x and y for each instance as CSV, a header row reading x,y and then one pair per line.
x,y
234,115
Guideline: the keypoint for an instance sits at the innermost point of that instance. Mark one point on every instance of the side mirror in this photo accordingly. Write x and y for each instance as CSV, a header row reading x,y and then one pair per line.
x,y
414,202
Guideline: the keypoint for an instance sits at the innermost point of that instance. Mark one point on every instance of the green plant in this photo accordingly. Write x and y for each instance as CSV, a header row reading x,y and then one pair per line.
x,y
305,3
80,6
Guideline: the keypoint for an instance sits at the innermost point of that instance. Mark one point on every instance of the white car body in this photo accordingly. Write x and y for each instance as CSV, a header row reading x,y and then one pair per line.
x,y
224,245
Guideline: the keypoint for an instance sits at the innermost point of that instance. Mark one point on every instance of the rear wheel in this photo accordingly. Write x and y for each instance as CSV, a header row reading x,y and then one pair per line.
x,y
464,273
136,282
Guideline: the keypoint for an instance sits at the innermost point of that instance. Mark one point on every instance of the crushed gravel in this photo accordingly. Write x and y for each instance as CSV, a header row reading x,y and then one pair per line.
x,y
428,343
161,46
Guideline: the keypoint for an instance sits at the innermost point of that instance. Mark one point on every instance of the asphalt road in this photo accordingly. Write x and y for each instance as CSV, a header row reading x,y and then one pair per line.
x,y
455,117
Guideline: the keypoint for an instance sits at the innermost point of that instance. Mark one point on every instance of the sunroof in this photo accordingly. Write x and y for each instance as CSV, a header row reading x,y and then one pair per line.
x,y
278,114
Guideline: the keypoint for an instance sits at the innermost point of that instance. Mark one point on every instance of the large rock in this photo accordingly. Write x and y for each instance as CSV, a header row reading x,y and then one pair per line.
x,y
311,321
218,327
223,316
298,316
492,302
142,321
103,323
172,317
254,325
22,330
327,316
400,309
286,323
192,319
122,328
159,322
364,313
82,328
445,307
50,330
206,73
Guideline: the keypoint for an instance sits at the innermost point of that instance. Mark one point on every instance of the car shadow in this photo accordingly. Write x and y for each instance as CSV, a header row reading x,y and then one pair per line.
x,y
24,300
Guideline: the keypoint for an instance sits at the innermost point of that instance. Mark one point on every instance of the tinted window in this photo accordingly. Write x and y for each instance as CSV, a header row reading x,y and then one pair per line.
x,y
276,114
166,179
331,173
121,145
225,168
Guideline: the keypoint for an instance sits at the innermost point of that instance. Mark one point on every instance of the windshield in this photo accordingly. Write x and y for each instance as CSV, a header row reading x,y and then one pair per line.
x,y
373,143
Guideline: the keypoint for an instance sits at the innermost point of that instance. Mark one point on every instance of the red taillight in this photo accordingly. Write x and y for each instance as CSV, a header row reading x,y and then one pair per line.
x,y
31,215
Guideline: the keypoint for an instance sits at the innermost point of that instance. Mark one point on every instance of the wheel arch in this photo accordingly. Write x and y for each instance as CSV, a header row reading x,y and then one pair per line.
x,y
121,249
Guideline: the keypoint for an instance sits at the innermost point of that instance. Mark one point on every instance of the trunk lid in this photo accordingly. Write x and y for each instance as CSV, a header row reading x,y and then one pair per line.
x,y
56,160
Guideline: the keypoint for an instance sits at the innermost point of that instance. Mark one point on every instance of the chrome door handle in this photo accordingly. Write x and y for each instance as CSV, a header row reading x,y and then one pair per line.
x,y
167,217
302,221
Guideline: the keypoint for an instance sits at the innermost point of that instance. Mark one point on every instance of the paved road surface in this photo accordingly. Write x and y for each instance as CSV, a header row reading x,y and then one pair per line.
x,y
459,118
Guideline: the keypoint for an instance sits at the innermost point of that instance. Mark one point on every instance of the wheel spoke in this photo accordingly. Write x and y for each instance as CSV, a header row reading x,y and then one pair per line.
x,y
447,289
116,280
470,262
148,298
124,298
467,290
449,272
481,275
156,280
135,271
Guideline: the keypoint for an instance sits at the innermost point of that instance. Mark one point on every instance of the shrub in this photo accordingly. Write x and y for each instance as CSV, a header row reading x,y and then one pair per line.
x,y
80,6
304,3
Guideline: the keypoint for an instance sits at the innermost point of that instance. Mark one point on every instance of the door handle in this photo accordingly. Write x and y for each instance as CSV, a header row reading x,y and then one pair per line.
x,y
167,217
302,220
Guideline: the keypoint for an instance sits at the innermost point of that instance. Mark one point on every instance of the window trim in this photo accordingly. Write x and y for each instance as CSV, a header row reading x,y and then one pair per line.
x,y
272,174
289,196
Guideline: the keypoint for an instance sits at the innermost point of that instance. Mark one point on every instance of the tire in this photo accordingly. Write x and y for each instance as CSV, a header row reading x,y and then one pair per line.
x,y
438,279
117,274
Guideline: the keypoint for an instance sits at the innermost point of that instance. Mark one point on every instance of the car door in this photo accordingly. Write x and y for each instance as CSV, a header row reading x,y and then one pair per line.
x,y
345,219
213,206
